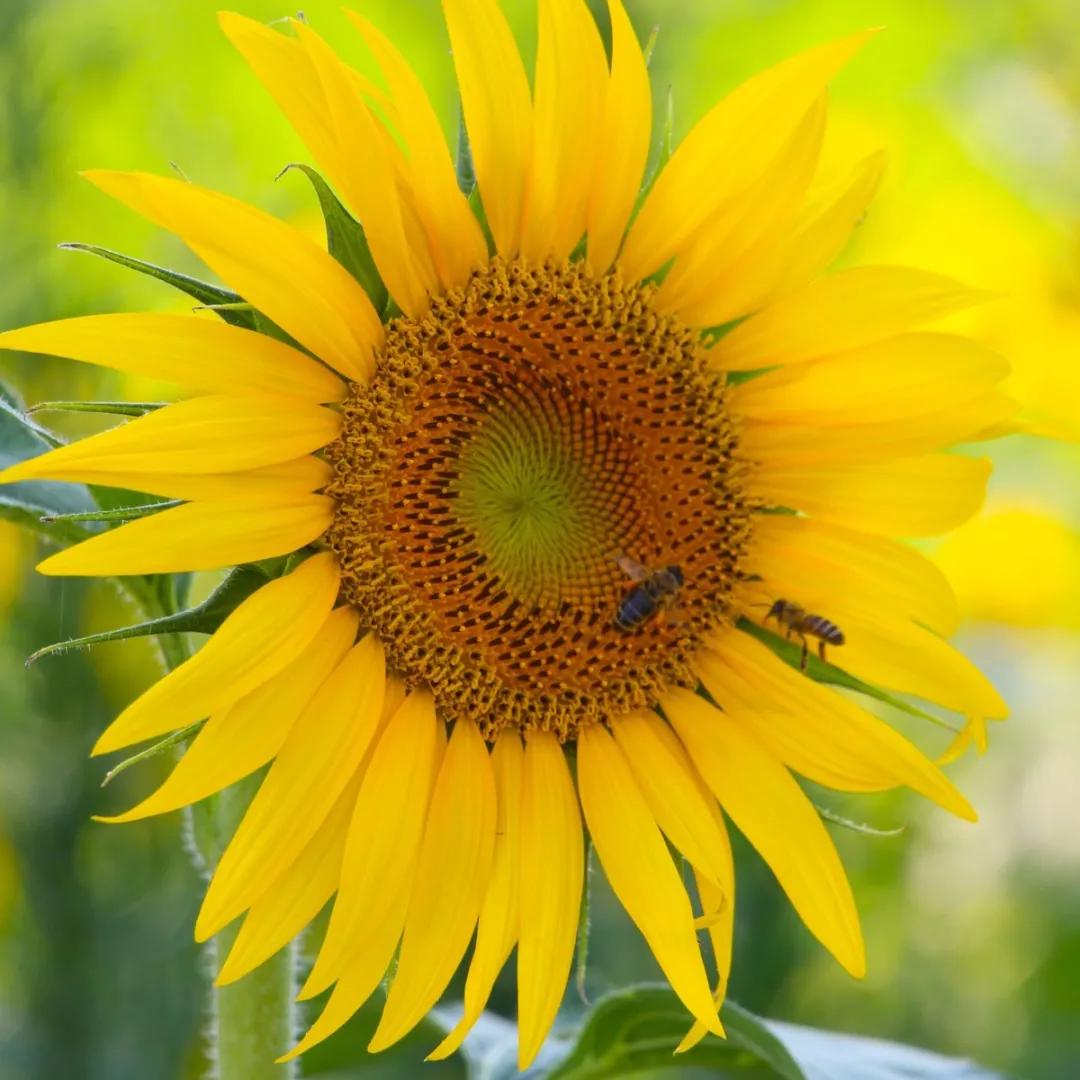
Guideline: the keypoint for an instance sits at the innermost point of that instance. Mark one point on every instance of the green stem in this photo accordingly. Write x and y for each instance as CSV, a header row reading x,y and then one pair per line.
x,y
253,1020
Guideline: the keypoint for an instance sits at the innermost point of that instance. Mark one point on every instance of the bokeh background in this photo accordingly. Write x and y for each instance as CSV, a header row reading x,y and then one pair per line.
x,y
973,932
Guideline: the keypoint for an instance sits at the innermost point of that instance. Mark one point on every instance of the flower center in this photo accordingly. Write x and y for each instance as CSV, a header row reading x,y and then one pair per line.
x,y
538,508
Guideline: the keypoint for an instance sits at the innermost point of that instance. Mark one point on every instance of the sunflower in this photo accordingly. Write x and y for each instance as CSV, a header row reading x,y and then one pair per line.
x,y
542,479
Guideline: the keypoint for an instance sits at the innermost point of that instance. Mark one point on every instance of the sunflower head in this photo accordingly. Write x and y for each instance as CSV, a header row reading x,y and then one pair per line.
x,y
544,453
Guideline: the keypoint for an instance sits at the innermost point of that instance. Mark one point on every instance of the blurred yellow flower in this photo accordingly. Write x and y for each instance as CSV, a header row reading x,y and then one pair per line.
x,y
1015,566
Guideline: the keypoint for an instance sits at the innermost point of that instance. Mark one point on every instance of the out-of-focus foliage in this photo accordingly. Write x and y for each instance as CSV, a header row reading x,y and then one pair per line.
x,y
973,933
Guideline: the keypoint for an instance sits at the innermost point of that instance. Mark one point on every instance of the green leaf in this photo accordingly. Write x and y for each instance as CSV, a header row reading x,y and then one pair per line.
x,y
638,1029
26,502
206,294
204,618
822,671
345,237
110,408
151,751
120,513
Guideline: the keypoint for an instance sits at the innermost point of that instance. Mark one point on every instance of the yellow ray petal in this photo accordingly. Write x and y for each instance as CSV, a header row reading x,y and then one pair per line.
x,y
379,866
274,266
264,634
320,755
199,536
622,140
902,378
825,737
498,111
201,435
296,896
380,863
818,236
568,94
639,868
891,652
761,215
457,242
200,353
721,934
917,496
798,446
727,152
302,889
673,791
840,566
368,181
283,480
244,736
551,869
846,310
451,877
498,926
770,809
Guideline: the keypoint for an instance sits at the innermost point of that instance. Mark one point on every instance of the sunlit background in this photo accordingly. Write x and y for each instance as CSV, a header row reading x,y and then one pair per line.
x,y
973,932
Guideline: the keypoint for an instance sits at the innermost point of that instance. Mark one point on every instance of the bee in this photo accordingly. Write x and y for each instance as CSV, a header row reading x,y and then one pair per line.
x,y
796,620
654,589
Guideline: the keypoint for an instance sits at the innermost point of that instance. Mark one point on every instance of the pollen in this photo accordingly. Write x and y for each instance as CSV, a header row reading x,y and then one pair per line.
x,y
520,444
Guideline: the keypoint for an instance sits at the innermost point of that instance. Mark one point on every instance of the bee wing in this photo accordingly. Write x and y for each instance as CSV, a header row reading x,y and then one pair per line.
x,y
634,570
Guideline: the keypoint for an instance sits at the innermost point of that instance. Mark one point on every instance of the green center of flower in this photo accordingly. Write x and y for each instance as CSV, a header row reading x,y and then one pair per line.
x,y
529,456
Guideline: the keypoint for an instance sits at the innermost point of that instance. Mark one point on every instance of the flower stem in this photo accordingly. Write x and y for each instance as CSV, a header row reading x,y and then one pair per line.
x,y
253,1019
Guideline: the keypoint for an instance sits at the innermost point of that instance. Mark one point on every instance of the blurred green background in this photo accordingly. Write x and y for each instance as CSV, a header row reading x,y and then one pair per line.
x,y
973,933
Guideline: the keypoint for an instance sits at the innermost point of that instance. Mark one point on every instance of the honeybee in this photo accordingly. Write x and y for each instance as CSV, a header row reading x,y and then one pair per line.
x,y
796,620
655,589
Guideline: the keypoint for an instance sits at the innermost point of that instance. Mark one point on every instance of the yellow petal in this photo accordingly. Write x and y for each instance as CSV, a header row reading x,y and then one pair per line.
x,y
302,889
815,731
498,926
673,791
568,94
451,876
296,477
639,868
266,632
551,869
917,496
244,736
498,111
694,286
378,868
200,353
727,152
201,435
721,929
380,863
770,809
272,265
622,140
296,896
818,236
856,444
199,536
457,242
797,556
902,378
319,757
846,310
368,182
